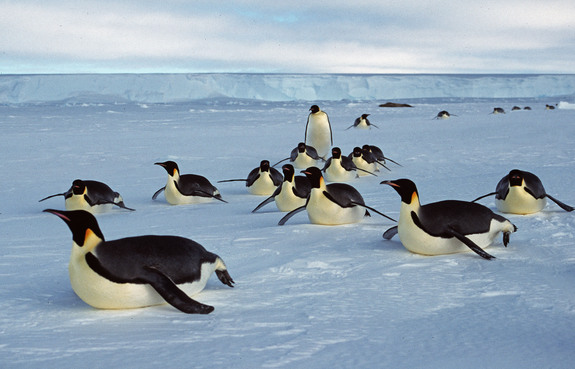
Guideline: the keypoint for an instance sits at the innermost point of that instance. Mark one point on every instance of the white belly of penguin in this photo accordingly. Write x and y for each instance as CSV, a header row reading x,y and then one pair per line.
x,y
175,197
362,164
287,200
418,241
102,293
263,186
319,136
336,173
78,202
362,124
303,161
320,210
518,201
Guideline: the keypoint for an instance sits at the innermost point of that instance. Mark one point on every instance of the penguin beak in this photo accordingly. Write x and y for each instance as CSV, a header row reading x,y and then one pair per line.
x,y
390,183
160,164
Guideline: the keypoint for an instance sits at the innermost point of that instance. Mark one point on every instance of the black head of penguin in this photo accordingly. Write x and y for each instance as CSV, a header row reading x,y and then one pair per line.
x,y
289,172
336,153
265,166
357,152
515,177
405,188
79,222
301,147
314,109
170,167
314,176
363,116
78,187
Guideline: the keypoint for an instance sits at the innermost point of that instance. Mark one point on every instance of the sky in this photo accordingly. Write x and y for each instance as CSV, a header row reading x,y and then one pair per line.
x,y
312,36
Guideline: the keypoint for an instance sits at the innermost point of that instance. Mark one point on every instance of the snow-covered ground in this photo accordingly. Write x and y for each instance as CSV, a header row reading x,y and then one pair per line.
x,y
305,295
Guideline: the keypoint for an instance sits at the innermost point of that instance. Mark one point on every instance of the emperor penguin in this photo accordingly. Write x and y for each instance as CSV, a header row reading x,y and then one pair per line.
x,y
92,196
186,188
340,168
521,192
498,111
318,131
331,204
445,227
262,180
367,163
291,194
139,271
362,123
444,114
377,155
303,156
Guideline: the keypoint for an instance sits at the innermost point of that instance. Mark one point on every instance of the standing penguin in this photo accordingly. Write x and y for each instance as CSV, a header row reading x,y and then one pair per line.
x,y
332,204
362,123
138,271
318,131
521,192
92,196
292,193
262,180
186,188
302,156
445,227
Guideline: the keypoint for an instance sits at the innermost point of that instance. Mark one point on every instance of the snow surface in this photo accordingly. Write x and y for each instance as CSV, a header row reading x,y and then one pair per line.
x,y
305,295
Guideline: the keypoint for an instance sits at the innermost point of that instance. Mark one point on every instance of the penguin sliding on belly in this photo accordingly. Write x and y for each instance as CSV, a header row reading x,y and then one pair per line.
x,y
262,180
291,194
521,192
318,131
340,168
138,271
445,227
92,196
186,188
362,123
332,204
303,156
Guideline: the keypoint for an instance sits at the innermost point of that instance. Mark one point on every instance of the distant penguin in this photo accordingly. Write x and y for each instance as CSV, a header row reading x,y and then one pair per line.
x,y
138,271
340,168
292,193
332,204
527,108
186,188
303,156
92,196
515,108
498,111
262,180
367,163
445,227
521,192
318,131
362,123
444,114
549,107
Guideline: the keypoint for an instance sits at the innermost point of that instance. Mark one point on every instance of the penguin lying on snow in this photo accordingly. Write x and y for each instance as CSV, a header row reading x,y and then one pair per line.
x,y
302,156
521,192
362,123
139,271
340,168
444,114
291,194
186,188
445,227
377,154
318,131
332,204
92,196
262,180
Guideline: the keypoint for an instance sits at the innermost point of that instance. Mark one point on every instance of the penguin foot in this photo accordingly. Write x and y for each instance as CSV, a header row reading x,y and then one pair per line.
x,y
225,277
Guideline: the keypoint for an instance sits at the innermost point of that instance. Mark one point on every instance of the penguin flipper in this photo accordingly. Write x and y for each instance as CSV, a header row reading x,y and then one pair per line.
x,y
561,204
374,210
122,205
481,197
388,235
367,171
49,197
232,180
290,214
174,296
158,192
394,162
263,203
281,161
472,245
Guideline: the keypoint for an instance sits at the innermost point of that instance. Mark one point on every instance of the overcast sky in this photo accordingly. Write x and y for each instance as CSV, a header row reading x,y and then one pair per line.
x,y
311,36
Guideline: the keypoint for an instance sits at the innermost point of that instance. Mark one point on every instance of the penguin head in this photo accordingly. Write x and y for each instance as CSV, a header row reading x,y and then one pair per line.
x,y
265,166
314,109
336,153
301,147
78,187
314,176
405,188
288,171
366,148
357,152
170,167
363,116
82,224
515,178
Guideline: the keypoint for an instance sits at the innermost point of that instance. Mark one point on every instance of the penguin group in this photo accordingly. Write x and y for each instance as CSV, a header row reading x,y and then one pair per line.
x,y
147,270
